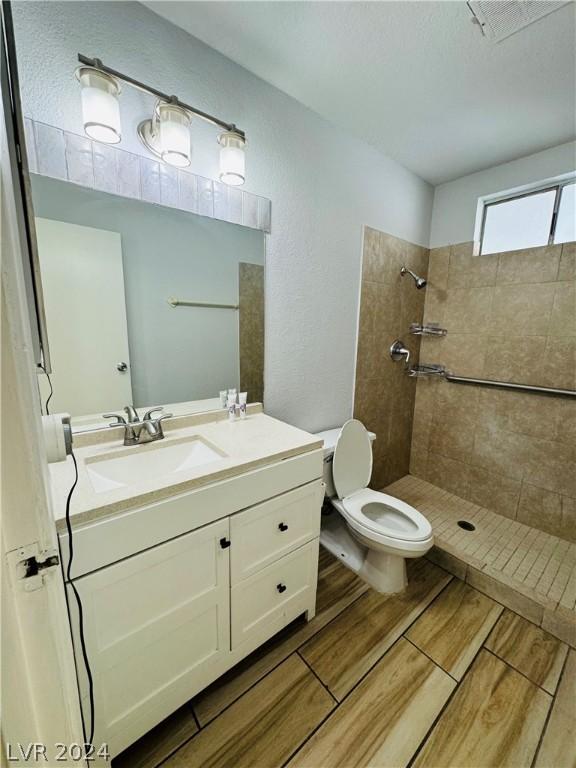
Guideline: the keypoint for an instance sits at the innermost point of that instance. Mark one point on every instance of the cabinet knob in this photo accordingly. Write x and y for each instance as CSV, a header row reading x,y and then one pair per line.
x,y
283,527
281,588
225,543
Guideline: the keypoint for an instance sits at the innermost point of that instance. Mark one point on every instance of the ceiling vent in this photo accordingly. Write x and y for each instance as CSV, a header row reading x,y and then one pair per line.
x,y
498,19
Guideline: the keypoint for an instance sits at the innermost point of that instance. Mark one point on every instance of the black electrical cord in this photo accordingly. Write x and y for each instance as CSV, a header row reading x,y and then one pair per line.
x,y
46,408
79,602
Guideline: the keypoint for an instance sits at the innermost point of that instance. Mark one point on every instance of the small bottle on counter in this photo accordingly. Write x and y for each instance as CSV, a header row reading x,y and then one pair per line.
x,y
231,404
223,398
242,399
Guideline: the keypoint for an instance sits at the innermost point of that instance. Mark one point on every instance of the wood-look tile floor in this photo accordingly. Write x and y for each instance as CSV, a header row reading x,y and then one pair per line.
x,y
440,676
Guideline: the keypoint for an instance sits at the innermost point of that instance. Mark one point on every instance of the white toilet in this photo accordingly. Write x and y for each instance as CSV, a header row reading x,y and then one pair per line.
x,y
373,533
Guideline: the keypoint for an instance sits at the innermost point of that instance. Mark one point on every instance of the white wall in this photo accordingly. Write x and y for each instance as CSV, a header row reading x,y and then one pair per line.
x,y
455,203
324,185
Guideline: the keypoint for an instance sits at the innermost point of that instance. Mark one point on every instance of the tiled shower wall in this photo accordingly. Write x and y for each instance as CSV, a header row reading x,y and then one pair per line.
x,y
251,330
384,396
510,316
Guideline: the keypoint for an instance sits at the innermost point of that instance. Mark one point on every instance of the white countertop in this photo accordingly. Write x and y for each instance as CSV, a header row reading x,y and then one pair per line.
x,y
247,444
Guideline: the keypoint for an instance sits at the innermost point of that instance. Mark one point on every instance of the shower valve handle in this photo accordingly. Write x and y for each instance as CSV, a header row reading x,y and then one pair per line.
x,y
398,352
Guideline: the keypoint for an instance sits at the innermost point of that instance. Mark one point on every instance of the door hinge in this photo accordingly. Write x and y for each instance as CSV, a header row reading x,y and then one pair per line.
x,y
30,564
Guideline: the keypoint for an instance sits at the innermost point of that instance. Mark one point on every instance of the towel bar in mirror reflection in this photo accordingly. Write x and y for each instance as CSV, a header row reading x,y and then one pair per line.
x,y
205,304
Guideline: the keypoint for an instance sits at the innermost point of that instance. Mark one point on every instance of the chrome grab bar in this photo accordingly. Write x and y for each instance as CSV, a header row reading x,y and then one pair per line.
x,y
433,370
511,385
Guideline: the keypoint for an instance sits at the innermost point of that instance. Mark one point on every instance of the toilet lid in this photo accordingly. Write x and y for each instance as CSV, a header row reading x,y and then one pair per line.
x,y
352,464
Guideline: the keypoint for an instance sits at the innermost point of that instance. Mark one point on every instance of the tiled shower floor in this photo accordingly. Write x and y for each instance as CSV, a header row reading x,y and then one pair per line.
x,y
531,572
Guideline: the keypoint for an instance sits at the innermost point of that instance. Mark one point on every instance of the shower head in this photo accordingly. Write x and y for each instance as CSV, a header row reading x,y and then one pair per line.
x,y
420,282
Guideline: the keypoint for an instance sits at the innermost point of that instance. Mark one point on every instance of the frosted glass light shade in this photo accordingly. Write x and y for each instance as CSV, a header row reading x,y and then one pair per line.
x,y
174,146
100,108
232,158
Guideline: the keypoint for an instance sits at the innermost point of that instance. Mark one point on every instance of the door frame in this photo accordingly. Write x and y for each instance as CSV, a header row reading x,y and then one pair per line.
x,y
39,690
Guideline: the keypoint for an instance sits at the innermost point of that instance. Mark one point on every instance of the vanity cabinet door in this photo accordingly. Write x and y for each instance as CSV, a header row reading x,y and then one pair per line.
x,y
157,629
271,598
264,533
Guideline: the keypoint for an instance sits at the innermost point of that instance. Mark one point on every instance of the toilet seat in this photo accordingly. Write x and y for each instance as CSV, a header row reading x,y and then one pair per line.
x,y
373,515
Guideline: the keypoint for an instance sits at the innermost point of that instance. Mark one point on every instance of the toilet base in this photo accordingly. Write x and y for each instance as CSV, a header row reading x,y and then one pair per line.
x,y
384,572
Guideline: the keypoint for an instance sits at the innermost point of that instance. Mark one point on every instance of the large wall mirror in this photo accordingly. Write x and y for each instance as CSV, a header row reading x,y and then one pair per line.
x,y
145,304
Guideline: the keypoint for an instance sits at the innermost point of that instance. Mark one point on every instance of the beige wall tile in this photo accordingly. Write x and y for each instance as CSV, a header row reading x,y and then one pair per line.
x,y
468,271
567,422
493,491
388,305
522,412
467,310
563,319
519,310
558,368
462,353
567,269
371,264
551,465
418,462
393,253
452,434
438,267
387,308
448,473
548,511
368,295
501,452
514,358
531,265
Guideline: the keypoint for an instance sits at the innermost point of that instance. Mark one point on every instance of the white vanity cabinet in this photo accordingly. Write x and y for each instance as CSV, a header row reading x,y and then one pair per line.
x,y
156,626
163,623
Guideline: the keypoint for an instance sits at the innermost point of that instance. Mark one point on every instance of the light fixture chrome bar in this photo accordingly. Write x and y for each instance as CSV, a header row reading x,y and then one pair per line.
x,y
206,304
510,385
97,64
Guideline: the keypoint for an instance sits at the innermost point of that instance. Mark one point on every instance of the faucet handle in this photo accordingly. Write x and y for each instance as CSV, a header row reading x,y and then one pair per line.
x,y
132,414
120,420
165,416
148,414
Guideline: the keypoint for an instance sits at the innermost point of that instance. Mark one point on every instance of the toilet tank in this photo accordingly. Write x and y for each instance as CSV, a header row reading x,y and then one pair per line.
x,y
330,436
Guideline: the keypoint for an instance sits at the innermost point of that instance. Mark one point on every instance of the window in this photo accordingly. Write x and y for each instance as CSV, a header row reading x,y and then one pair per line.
x,y
528,220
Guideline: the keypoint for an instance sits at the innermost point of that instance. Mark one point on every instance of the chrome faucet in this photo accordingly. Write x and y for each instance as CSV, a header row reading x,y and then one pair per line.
x,y
137,432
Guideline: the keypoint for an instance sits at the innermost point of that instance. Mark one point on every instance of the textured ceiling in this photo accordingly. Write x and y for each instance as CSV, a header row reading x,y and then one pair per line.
x,y
415,79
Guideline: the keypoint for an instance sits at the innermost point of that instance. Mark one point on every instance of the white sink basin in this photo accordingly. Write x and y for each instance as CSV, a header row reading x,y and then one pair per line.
x,y
149,461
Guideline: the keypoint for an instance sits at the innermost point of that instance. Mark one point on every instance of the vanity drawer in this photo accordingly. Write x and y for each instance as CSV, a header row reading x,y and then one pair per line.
x,y
264,533
265,602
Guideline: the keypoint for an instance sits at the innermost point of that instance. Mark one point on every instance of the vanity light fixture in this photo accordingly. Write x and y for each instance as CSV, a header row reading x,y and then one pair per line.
x,y
232,159
167,133
100,108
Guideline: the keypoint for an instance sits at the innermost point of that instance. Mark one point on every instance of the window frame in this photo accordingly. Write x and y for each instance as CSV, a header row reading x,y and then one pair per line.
x,y
556,187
